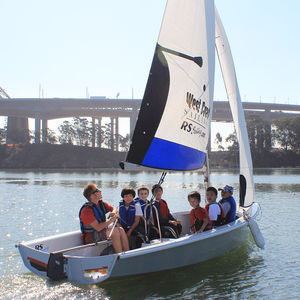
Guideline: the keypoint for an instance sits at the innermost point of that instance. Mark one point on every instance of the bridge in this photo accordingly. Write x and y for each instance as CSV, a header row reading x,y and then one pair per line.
x,y
44,109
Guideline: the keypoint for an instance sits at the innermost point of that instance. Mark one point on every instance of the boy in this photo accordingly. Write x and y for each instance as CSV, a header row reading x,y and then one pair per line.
x,y
130,213
165,217
228,203
199,217
146,220
213,208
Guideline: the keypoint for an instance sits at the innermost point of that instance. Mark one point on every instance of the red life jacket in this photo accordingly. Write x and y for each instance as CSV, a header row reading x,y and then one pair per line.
x,y
221,218
196,222
163,208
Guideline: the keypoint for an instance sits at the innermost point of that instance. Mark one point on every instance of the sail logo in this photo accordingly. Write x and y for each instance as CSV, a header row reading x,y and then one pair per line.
x,y
196,117
195,104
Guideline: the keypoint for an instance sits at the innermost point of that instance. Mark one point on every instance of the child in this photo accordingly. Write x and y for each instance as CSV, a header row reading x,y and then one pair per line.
x,y
228,203
143,193
130,213
199,217
213,208
146,220
165,217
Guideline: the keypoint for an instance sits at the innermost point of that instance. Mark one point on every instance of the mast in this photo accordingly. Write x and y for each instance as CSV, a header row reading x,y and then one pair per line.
x,y
233,94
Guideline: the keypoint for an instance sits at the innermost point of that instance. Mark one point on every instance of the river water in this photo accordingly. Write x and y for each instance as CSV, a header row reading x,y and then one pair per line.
x,y
38,203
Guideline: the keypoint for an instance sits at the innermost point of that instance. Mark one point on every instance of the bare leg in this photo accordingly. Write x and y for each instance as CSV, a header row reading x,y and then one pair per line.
x,y
116,240
124,239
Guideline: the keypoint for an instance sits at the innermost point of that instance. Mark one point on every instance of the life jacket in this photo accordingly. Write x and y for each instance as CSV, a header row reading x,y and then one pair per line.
x,y
127,215
143,205
198,223
99,213
230,217
163,208
221,218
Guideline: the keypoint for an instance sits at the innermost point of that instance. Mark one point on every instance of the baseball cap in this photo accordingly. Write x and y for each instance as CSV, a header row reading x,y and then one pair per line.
x,y
226,188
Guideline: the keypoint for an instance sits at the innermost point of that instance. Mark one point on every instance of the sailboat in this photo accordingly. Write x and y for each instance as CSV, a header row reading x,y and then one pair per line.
x,y
171,133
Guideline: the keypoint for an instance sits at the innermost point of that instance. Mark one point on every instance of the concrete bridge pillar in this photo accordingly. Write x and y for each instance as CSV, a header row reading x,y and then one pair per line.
x,y
112,142
44,131
17,129
99,133
37,131
117,133
268,140
93,132
133,119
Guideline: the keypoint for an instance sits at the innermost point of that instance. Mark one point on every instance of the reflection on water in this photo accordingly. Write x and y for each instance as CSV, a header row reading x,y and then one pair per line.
x,y
42,203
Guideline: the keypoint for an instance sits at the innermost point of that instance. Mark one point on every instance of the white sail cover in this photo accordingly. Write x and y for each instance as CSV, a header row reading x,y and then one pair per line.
x,y
172,130
233,94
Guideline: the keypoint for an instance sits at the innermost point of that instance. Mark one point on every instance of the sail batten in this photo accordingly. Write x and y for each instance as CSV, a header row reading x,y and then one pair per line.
x,y
172,129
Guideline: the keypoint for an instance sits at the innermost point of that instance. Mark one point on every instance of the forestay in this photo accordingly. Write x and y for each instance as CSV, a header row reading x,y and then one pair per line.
x,y
233,94
172,129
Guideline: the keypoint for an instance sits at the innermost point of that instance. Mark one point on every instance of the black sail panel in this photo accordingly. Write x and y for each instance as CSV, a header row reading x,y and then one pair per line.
x,y
152,108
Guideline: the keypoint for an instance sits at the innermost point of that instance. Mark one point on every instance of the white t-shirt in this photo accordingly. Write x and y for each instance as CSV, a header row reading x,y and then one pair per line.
x,y
226,207
214,211
138,209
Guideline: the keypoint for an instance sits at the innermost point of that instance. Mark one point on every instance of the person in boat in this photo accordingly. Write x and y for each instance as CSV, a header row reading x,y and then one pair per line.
x,y
147,218
228,203
198,215
93,223
214,209
166,220
130,214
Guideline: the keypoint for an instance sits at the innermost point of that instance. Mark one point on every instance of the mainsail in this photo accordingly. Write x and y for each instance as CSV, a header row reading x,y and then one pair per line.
x,y
233,94
172,129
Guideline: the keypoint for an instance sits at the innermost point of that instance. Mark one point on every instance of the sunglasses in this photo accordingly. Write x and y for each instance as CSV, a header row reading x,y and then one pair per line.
x,y
95,191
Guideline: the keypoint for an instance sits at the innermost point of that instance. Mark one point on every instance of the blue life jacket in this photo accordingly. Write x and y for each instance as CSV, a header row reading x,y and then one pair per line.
x,y
126,215
230,217
99,213
143,205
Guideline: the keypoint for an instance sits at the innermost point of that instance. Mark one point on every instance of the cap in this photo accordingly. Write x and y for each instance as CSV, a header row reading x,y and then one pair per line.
x,y
226,188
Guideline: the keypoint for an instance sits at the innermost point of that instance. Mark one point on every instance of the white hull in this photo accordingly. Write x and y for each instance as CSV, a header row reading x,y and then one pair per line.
x,y
86,266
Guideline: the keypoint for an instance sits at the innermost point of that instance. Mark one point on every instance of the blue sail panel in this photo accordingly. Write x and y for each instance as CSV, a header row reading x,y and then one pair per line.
x,y
166,155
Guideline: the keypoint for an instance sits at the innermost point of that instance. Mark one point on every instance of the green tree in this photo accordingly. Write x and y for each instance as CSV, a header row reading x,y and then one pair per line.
x,y
259,134
218,141
124,142
287,133
49,136
2,135
67,133
82,131
107,138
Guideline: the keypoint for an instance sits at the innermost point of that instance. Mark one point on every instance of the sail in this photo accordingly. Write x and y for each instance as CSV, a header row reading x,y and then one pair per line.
x,y
233,94
173,124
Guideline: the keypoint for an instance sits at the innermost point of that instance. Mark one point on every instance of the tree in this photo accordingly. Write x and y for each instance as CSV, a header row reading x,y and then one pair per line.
x,y
287,133
107,139
82,131
49,136
259,134
124,142
233,142
218,141
67,133
2,135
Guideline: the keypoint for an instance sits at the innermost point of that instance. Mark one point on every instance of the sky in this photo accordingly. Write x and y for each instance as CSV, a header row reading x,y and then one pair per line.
x,y
75,48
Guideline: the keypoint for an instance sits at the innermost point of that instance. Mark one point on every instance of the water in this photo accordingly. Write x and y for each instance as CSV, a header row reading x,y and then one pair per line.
x,y
36,204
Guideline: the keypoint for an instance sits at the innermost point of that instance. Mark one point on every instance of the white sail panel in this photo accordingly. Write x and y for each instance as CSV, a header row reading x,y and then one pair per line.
x,y
233,94
185,30
173,124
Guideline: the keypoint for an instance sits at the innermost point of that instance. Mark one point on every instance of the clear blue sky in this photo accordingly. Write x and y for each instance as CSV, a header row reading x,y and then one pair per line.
x,y
107,46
